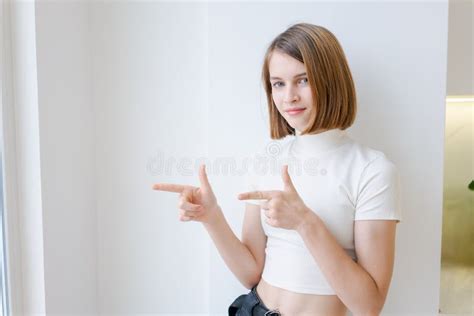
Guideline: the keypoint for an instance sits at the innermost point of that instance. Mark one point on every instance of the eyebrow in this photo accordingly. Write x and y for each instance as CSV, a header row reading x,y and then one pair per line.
x,y
299,75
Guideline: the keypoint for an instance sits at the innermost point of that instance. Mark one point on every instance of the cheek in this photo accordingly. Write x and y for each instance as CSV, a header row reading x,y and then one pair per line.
x,y
308,97
276,98
278,101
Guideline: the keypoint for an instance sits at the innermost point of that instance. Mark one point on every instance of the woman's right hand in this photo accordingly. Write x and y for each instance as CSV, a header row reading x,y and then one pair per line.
x,y
195,203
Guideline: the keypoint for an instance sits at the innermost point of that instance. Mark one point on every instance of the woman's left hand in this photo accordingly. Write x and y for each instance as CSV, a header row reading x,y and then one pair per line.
x,y
284,209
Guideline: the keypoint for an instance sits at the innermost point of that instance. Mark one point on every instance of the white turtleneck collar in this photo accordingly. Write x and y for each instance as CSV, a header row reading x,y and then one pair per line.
x,y
311,144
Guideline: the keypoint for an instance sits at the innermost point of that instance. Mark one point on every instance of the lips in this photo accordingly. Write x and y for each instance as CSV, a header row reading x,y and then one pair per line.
x,y
295,111
295,108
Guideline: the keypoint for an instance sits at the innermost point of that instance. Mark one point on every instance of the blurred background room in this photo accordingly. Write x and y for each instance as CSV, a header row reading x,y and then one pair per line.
x,y
457,256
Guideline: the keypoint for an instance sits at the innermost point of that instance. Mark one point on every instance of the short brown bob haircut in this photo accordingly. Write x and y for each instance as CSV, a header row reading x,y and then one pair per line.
x,y
328,74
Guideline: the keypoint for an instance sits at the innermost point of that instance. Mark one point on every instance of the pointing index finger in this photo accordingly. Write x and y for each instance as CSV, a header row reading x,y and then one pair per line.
x,y
256,195
170,187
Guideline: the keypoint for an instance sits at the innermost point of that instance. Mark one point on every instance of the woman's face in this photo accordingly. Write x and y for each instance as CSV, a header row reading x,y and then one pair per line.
x,y
290,89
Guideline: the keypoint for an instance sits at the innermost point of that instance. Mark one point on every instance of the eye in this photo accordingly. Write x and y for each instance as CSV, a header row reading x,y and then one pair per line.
x,y
305,79
275,85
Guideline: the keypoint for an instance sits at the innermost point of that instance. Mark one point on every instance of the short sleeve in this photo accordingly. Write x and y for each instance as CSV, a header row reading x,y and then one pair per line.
x,y
379,192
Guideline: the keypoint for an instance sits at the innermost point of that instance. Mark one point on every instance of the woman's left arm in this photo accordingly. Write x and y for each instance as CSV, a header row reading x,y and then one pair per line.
x,y
362,286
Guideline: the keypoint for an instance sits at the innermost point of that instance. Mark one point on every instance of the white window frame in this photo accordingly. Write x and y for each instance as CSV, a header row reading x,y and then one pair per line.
x,y
12,249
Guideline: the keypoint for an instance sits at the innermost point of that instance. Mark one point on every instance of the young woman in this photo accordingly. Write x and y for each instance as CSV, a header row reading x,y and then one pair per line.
x,y
321,241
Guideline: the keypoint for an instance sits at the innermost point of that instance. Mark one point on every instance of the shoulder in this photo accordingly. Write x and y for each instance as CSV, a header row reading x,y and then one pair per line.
x,y
374,168
368,158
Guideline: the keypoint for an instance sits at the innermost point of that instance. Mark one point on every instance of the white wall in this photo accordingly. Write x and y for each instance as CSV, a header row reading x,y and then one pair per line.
x,y
67,131
149,63
460,52
123,87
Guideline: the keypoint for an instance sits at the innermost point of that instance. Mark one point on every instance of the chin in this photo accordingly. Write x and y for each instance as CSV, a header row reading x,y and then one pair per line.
x,y
299,127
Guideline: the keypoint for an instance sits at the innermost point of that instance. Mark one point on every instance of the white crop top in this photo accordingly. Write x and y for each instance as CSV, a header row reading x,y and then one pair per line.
x,y
339,179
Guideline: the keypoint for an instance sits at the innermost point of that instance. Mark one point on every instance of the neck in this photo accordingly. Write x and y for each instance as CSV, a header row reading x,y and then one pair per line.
x,y
319,142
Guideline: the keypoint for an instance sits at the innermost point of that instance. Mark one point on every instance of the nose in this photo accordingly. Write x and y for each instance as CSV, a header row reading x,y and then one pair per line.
x,y
290,95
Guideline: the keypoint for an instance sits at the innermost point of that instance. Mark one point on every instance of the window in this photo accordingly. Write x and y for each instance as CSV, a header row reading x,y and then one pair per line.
x,y
3,279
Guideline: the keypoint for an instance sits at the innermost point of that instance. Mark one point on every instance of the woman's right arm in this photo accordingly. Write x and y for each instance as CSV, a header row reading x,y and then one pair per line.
x,y
235,254
200,204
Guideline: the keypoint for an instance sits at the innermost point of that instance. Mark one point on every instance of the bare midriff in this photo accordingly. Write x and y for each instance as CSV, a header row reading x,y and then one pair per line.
x,y
298,304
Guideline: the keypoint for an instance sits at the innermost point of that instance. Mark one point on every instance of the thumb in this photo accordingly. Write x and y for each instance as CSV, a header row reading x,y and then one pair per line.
x,y
288,184
205,185
187,194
